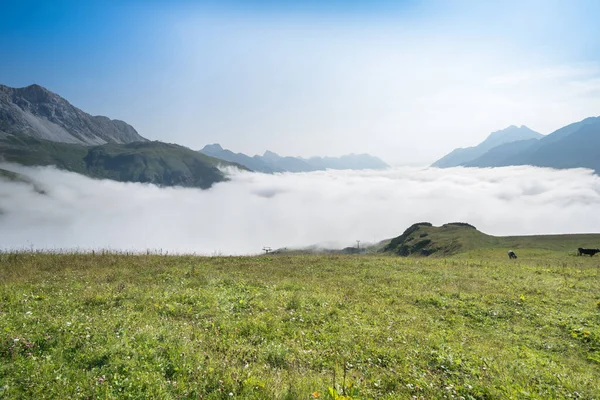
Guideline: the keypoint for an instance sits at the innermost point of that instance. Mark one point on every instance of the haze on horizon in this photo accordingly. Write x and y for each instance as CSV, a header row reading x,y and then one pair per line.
x,y
294,210
406,81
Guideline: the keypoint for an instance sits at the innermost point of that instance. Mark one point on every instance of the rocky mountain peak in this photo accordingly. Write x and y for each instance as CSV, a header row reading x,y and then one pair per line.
x,y
212,148
36,111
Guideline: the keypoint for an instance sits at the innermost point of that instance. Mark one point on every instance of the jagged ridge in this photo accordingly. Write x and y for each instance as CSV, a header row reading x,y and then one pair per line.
x,y
40,113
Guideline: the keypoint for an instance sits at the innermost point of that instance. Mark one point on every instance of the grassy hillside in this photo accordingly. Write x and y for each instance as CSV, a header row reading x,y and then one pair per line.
x,y
148,162
424,239
277,327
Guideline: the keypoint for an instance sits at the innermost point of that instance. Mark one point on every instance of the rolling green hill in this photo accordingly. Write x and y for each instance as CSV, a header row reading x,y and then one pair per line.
x,y
423,239
146,162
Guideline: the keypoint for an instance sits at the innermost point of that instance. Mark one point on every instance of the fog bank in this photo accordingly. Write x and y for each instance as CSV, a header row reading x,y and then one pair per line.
x,y
290,210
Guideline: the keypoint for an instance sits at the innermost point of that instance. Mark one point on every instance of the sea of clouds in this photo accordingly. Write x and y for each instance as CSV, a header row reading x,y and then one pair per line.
x,y
331,208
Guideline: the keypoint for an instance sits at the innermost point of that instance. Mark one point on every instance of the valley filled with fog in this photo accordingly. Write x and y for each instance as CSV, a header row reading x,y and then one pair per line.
x,y
66,211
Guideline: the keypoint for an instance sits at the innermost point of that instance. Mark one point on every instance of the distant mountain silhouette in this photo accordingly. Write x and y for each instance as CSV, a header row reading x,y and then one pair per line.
x,y
349,161
463,156
497,155
574,146
271,162
37,112
288,164
255,163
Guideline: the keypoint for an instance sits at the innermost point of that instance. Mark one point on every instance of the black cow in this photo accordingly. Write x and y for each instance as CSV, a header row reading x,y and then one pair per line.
x,y
512,255
589,252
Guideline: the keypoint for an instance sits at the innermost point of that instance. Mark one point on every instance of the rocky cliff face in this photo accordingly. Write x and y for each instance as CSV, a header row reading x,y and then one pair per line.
x,y
38,112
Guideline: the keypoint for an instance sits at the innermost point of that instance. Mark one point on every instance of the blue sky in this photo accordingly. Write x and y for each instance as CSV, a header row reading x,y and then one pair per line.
x,y
404,80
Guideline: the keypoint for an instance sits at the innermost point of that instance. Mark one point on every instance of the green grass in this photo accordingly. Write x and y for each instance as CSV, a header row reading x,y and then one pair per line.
x,y
474,326
454,238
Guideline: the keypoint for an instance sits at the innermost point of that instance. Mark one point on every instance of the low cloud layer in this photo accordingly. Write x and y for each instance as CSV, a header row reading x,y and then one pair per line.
x,y
290,210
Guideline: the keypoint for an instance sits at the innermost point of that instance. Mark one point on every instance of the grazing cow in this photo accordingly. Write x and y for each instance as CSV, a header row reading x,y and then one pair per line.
x,y
589,252
511,254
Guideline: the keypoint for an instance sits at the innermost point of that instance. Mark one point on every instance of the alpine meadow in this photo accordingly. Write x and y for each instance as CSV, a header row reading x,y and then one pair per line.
x,y
315,326
300,199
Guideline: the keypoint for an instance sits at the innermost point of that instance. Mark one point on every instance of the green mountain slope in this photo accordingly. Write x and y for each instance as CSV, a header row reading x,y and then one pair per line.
x,y
12,176
147,162
424,239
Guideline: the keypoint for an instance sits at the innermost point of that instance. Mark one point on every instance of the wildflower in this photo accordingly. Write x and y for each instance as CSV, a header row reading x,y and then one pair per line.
x,y
316,395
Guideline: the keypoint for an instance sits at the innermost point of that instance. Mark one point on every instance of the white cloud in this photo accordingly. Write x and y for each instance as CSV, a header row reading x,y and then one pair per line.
x,y
288,210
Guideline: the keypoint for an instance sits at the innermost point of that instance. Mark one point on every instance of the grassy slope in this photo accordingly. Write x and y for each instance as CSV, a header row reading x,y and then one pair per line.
x,y
11,176
149,162
475,325
452,239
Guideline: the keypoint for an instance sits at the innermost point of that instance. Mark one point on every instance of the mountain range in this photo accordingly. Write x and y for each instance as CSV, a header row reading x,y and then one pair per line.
x,y
38,127
576,145
461,156
271,162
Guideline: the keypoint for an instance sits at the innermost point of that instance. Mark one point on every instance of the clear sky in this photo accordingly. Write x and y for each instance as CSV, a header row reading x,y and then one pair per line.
x,y
404,80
